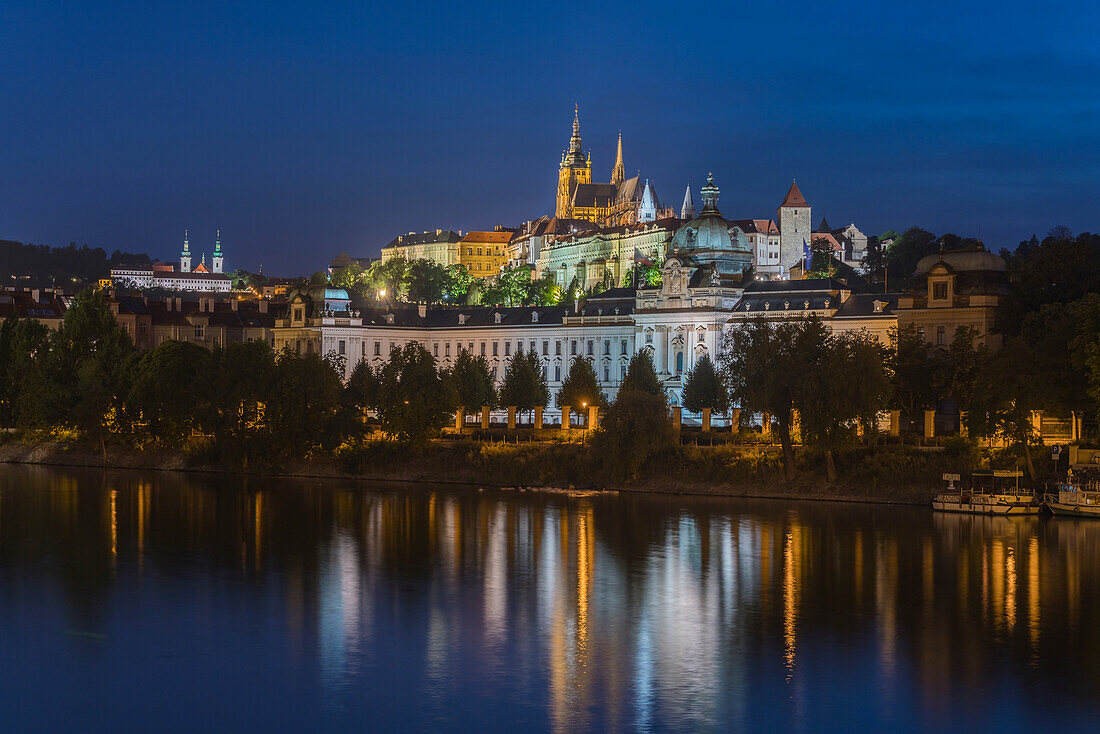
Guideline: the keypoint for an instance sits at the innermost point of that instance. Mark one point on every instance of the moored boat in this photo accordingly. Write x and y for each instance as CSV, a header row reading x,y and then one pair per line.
x,y
995,492
1081,500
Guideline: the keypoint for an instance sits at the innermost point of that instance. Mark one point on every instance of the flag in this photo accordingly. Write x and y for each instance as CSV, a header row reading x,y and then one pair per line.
x,y
639,257
807,256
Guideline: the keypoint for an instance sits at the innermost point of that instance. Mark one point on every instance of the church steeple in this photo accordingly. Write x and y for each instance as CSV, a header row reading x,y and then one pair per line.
x,y
687,211
185,255
574,156
618,173
217,260
710,197
575,169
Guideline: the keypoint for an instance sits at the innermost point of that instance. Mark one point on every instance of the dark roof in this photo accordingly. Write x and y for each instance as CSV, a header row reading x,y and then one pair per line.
x,y
780,286
408,315
860,305
423,238
594,194
23,304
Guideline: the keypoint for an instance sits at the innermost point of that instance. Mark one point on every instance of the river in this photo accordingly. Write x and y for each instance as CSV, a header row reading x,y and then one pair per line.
x,y
146,601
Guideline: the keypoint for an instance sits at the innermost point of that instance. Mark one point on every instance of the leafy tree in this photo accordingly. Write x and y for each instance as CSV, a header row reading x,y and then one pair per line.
x,y
544,291
82,379
833,399
471,382
763,363
302,404
524,386
515,284
24,346
581,386
650,275
703,388
241,377
458,284
641,375
635,429
427,281
962,362
391,275
1005,396
902,256
572,293
349,278
170,388
918,371
414,401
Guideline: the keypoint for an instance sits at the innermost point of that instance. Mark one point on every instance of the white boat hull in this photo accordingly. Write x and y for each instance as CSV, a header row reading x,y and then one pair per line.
x,y
986,505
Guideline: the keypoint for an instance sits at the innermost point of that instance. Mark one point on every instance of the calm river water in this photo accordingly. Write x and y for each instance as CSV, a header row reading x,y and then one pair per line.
x,y
163,602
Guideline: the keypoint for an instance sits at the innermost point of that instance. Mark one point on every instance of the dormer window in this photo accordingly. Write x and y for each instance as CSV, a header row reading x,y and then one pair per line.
x,y
939,291
389,318
496,318
462,319
534,317
805,304
879,305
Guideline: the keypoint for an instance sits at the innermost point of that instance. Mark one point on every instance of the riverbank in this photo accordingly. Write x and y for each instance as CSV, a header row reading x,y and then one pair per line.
x,y
894,474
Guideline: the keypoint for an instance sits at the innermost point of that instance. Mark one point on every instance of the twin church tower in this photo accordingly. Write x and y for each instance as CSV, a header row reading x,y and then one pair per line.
x,y
217,261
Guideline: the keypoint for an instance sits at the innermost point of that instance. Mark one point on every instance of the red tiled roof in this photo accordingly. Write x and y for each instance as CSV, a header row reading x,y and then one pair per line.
x,y
794,196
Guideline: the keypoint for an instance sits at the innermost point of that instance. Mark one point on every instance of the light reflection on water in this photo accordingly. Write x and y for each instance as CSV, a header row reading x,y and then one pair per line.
x,y
160,601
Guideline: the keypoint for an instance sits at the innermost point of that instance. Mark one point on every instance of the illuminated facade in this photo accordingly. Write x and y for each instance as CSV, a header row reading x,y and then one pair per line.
x,y
485,253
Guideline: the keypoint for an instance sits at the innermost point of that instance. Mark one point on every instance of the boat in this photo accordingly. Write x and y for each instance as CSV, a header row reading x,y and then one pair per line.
x,y
1079,495
995,492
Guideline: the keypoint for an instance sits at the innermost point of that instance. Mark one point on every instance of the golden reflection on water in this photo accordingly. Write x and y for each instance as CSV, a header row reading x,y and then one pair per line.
x,y
621,604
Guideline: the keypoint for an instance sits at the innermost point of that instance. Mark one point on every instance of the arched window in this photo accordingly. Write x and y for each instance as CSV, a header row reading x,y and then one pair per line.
x,y
679,362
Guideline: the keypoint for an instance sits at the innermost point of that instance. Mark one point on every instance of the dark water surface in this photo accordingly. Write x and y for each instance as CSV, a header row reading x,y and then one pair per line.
x,y
162,602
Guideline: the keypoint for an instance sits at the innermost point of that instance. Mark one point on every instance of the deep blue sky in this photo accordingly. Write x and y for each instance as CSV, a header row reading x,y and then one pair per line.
x,y
303,129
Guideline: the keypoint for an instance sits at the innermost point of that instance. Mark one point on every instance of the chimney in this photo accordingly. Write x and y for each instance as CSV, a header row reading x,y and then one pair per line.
x,y
263,305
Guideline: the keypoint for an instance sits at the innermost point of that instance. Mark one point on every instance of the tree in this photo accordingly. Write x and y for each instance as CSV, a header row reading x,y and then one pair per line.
x,y
24,345
961,363
458,284
544,291
515,285
391,275
1006,394
427,281
170,388
414,401
763,363
703,388
918,371
845,382
241,377
471,382
349,278
635,429
907,249
524,386
641,375
302,404
581,387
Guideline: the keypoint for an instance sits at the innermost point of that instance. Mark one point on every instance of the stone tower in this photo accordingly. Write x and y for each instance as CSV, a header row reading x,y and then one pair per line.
x,y
687,211
185,255
217,260
618,173
575,169
794,227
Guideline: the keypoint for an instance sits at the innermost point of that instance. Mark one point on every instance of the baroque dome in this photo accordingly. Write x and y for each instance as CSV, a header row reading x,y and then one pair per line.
x,y
710,237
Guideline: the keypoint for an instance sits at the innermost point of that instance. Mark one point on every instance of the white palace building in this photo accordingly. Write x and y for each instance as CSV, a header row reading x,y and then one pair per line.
x,y
185,278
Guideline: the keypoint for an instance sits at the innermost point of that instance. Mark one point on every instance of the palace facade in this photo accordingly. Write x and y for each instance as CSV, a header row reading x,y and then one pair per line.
x,y
185,278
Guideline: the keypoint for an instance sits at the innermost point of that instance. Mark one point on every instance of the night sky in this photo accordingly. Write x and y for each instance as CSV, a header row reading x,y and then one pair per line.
x,y
304,129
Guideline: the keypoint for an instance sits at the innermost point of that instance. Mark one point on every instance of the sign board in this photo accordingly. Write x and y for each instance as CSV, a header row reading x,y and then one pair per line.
x,y
1055,452
951,477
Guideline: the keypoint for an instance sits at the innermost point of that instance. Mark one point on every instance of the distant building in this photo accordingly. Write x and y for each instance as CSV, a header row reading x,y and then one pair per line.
x,y
956,288
440,246
164,275
485,253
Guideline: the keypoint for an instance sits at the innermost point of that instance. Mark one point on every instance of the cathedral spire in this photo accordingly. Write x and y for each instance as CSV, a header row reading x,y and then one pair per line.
x,y
185,255
687,211
618,173
575,156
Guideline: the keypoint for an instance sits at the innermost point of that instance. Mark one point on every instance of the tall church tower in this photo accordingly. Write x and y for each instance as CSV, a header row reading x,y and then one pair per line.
x,y
216,260
687,210
185,255
794,227
618,173
575,169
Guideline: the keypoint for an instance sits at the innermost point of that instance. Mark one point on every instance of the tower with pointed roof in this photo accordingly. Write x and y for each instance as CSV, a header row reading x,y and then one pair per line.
x,y
687,210
575,169
647,210
185,255
618,173
216,260
794,227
